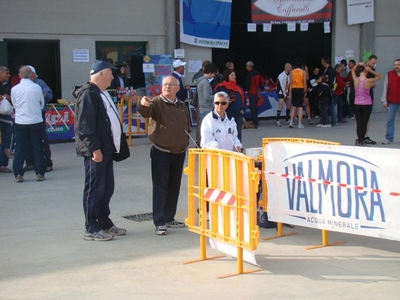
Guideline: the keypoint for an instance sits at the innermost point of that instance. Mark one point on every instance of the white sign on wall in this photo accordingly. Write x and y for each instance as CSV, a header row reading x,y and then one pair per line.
x,y
360,11
80,55
338,188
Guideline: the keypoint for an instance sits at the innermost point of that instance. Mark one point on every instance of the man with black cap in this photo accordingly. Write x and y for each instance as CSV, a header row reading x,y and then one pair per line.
x,y
179,70
97,137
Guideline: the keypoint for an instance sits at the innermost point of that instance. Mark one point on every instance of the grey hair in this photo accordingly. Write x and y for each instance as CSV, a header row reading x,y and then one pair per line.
x,y
221,94
25,72
250,64
287,65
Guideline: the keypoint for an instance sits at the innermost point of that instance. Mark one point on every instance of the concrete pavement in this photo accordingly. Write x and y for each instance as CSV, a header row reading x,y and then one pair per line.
x,y
43,254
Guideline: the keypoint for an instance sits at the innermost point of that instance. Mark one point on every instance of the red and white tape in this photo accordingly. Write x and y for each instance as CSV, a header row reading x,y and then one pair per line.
x,y
219,196
337,184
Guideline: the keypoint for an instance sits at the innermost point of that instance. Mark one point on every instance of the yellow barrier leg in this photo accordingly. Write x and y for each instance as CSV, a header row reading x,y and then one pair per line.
x,y
203,252
325,241
279,229
239,266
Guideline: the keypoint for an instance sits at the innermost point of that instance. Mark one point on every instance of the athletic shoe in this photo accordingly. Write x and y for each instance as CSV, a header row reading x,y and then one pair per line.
x,y
316,117
386,142
300,126
362,144
278,124
368,141
49,168
287,122
39,177
97,236
327,126
290,124
319,125
5,170
19,178
342,121
161,230
295,122
175,224
114,230
310,121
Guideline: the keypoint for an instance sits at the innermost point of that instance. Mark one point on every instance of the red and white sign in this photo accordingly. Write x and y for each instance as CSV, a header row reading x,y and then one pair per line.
x,y
285,11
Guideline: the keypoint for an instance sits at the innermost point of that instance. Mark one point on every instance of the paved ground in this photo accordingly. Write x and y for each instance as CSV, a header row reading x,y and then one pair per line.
x,y
43,255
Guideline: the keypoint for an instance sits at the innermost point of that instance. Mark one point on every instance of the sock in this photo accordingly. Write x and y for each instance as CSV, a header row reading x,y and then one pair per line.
x,y
278,114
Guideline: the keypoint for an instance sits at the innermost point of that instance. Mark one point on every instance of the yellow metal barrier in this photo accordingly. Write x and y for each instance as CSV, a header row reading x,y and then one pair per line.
x,y
264,200
226,183
133,118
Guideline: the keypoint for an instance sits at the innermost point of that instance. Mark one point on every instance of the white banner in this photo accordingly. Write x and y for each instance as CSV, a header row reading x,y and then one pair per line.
x,y
360,11
338,188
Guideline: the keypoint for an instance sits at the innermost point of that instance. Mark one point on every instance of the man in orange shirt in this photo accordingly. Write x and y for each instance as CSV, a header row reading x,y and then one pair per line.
x,y
298,79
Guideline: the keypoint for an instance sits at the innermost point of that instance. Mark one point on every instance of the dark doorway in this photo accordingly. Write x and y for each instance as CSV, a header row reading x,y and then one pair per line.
x,y
270,50
43,55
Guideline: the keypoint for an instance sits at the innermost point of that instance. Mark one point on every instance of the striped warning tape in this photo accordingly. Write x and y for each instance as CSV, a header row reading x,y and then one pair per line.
x,y
327,182
219,196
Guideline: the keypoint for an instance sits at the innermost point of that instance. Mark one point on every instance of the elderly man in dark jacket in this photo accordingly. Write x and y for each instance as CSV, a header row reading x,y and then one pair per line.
x,y
97,137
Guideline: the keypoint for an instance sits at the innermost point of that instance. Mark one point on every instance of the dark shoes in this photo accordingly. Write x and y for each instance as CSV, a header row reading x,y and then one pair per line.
x,y
30,168
161,230
19,178
368,141
175,224
39,177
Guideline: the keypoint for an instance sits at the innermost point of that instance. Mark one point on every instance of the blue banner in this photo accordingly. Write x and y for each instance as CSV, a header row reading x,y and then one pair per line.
x,y
205,23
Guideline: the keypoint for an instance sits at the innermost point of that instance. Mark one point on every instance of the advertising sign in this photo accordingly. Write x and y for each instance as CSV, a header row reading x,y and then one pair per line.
x,y
337,188
288,11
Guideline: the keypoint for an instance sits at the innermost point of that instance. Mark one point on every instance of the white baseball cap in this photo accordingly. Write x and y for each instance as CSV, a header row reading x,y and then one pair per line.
x,y
178,63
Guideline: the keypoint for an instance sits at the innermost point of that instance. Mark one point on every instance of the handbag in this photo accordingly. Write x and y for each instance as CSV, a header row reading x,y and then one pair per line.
x,y
124,152
6,108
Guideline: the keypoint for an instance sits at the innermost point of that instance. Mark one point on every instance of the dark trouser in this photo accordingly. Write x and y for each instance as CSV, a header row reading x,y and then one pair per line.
x,y
339,101
99,188
46,147
314,105
23,134
323,108
239,123
6,130
166,173
352,97
253,108
362,112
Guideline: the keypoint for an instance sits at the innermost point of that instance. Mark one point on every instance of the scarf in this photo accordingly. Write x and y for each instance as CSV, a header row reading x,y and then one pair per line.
x,y
231,86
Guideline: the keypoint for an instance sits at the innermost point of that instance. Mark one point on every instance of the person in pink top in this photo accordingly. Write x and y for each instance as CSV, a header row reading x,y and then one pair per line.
x,y
363,100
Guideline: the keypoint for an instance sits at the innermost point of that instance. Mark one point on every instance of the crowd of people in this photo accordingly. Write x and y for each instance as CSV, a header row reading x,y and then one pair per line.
x,y
220,103
23,131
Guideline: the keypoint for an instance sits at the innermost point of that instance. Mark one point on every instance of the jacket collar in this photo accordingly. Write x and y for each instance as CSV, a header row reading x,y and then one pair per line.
x,y
216,116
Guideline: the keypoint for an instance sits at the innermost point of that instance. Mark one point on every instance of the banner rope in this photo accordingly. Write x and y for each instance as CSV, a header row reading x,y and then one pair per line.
x,y
335,184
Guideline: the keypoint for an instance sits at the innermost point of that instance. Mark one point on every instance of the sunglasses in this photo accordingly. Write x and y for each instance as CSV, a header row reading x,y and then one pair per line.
x,y
222,103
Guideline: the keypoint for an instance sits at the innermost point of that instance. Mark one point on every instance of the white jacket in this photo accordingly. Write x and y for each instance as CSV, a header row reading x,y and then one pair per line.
x,y
219,133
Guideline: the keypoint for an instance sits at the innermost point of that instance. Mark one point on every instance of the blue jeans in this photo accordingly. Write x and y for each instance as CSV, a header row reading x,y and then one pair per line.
x,y
333,110
6,129
239,123
23,134
166,173
392,109
99,188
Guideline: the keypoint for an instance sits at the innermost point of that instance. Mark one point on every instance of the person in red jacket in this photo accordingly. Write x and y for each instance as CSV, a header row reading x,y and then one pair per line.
x,y
254,83
391,99
338,95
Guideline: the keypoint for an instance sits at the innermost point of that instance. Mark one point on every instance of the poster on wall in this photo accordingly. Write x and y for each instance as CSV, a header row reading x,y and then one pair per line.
x,y
289,11
205,23
162,66
360,11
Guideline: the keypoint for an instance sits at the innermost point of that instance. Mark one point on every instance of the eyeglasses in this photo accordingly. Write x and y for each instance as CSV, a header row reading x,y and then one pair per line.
x,y
170,84
222,103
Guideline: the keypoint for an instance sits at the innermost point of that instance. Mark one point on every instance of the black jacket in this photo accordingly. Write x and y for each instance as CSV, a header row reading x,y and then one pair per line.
x,y
92,124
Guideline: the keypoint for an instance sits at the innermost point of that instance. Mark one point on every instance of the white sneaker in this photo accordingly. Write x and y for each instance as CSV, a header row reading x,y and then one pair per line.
x,y
310,121
278,124
319,125
300,126
386,142
290,124
327,126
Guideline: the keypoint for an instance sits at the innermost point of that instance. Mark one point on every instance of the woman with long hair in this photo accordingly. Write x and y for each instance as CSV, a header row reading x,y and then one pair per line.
x,y
236,98
363,100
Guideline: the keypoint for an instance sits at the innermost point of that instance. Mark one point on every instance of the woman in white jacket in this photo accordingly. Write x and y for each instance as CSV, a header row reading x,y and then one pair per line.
x,y
218,129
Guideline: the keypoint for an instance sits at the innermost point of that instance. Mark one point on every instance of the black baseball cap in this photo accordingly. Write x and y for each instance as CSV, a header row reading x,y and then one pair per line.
x,y
99,65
